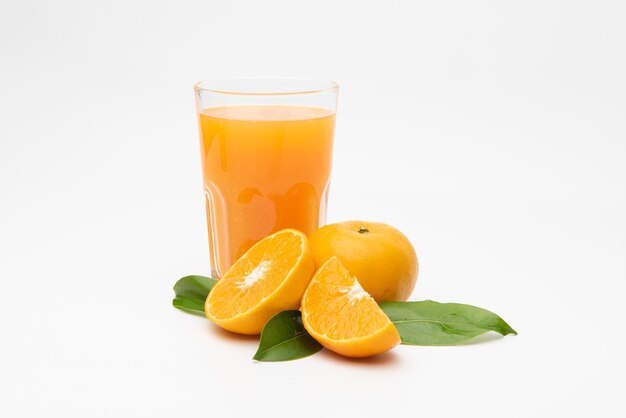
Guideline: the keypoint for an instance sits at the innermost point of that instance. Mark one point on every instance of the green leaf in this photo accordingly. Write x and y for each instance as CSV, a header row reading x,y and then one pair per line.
x,y
191,292
433,323
284,338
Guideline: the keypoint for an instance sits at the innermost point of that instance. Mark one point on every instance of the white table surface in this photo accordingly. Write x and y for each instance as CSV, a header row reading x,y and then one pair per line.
x,y
492,133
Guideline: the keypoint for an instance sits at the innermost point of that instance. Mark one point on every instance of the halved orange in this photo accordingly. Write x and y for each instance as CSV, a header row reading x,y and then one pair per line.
x,y
269,278
343,317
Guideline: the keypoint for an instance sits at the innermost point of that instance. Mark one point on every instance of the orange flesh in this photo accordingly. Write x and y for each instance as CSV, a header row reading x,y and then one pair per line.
x,y
256,276
265,168
336,308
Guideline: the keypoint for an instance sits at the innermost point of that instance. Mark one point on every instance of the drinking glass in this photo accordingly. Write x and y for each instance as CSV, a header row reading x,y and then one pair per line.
x,y
266,146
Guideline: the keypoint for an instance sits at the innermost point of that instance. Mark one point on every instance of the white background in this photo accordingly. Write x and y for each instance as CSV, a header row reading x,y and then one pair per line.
x,y
491,132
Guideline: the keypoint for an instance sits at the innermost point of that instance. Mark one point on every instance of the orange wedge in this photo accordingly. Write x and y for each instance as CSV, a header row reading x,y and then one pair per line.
x,y
343,317
269,278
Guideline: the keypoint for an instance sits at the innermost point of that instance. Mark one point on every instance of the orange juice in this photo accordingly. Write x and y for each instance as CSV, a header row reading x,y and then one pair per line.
x,y
265,168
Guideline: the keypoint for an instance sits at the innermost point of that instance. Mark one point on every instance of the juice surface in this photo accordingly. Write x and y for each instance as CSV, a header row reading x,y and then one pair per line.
x,y
265,168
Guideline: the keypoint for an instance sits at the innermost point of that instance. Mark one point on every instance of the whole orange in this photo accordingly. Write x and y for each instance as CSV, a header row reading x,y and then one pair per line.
x,y
381,257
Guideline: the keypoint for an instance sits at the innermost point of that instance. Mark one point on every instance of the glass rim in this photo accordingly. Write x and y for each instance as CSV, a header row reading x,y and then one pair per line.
x,y
213,86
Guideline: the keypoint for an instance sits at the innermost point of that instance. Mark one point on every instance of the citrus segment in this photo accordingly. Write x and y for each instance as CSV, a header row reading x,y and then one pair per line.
x,y
270,277
343,317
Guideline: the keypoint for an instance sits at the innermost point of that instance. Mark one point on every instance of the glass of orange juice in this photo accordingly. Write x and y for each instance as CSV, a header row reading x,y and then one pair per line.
x,y
266,147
